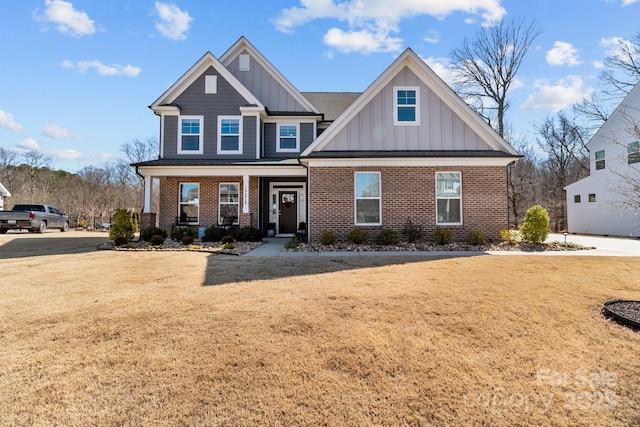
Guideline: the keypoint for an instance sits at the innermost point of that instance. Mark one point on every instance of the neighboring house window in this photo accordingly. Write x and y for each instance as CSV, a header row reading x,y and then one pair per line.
x,y
449,198
368,201
633,152
189,203
592,198
406,105
600,162
229,202
229,135
576,198
211,84
288,139
190,135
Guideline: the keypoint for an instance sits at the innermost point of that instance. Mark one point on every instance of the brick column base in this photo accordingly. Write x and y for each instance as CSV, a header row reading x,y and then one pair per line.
x,y
147,220
246,219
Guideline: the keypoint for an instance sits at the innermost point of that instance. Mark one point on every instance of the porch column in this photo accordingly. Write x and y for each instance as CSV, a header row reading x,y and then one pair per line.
x,y
245,194
148,182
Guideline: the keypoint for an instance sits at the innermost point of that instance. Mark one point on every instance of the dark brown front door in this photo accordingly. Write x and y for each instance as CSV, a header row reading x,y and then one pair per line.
x,y
288,212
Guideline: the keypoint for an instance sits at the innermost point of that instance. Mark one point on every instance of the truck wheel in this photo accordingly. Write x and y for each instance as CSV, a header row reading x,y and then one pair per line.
x,y
43,227
65,227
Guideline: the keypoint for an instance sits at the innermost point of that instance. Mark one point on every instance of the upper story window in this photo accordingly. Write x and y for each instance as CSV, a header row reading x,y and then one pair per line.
x,y
448,198
229,135
190,135
633,152
288,138
600,162
406,105
368,203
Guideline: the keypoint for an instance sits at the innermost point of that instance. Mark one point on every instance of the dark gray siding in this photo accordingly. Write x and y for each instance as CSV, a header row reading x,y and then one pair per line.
x,y
306,138
193,101
249,137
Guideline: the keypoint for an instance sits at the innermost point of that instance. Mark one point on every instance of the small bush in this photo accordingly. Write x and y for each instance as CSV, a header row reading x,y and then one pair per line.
x,y
510,236
327,237
249,234
120,240
213,234
122,226
228,246
412,232
387,237
177,233
147,233
187,240
535,228
358,236
292,243
227,239
157,240
442,236
477,237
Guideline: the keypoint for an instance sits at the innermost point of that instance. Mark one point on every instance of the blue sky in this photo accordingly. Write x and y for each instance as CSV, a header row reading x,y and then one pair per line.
x,y
77,75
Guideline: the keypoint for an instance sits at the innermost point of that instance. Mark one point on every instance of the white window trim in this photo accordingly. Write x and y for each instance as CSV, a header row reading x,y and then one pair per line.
x,y
603,159
288,150
211,84
355,199
239,150
449,198
200,149
237,221
396,122
180,202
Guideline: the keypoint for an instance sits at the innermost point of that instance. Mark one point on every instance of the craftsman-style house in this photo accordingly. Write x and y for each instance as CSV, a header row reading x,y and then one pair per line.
x,y
240,144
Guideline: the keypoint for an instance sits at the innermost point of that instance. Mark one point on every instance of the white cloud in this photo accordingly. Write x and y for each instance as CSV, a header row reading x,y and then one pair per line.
x,y
628,2
173,23
57,132
371,22
433,37
102,69
68,20
556,96
598,65
563,54
7,122
442,67
29,144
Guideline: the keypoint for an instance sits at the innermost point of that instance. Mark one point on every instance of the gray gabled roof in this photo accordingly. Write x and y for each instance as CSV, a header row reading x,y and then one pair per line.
x,y
332,104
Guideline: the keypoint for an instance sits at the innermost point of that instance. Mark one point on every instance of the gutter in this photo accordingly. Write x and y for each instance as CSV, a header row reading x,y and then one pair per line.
x,y
306,209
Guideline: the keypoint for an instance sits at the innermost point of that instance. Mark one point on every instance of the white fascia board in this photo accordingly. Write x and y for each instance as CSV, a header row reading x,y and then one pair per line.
x,y
244,44
4,192
408,162
231,170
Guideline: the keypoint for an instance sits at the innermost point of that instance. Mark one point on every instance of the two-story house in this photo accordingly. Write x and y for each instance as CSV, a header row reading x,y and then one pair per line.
x,y
239,143
607,202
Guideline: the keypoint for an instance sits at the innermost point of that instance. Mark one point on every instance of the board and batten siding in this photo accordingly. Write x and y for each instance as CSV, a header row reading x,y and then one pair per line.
x,y
267,89
373,129
270,140
194,101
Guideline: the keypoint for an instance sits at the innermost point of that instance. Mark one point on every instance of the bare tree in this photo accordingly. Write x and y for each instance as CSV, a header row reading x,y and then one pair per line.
x,y
486,67
523,185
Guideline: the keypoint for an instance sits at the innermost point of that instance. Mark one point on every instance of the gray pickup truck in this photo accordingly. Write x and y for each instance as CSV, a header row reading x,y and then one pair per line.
x,y
33,217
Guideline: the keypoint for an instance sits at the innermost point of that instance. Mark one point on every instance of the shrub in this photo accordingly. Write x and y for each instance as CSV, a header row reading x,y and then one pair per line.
x,y
228,246
177,233
510,236
442,236
327,237
213,234
358,236
120,240
122,226
187,240
535,228
149,232
477,237
412,232
227,239
387,237
249,234
292,243
157,240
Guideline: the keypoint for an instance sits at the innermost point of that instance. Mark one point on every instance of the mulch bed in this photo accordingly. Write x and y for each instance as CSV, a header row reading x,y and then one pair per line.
x,y
428,246
626,312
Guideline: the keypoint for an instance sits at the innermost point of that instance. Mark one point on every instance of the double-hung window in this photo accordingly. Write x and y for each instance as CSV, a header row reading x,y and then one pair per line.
x,y
190,134
229,135
189,203
448,198
600,160
633,152
288,138
368,202
406,105
229,202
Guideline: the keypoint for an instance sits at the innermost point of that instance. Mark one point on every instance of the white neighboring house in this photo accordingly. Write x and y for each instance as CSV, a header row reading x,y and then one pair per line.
x,y
607,202
3,193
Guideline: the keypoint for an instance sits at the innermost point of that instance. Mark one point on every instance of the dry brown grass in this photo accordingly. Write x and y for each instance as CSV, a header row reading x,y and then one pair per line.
x,y
141,338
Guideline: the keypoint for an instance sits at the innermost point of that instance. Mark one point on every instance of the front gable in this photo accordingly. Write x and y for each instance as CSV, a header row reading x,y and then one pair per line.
x,y
443,123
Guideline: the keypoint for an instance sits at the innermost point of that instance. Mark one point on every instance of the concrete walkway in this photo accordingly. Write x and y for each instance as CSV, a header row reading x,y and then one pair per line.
x,y
605,246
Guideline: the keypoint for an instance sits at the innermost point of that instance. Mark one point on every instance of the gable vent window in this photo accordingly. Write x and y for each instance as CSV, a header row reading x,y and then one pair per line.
x,y
244,62
633,152
406,105
600,162
210,84
592,198
576,198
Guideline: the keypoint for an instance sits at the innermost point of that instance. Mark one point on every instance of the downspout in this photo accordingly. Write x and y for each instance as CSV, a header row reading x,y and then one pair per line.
x,y
508,203
142,178
306,209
